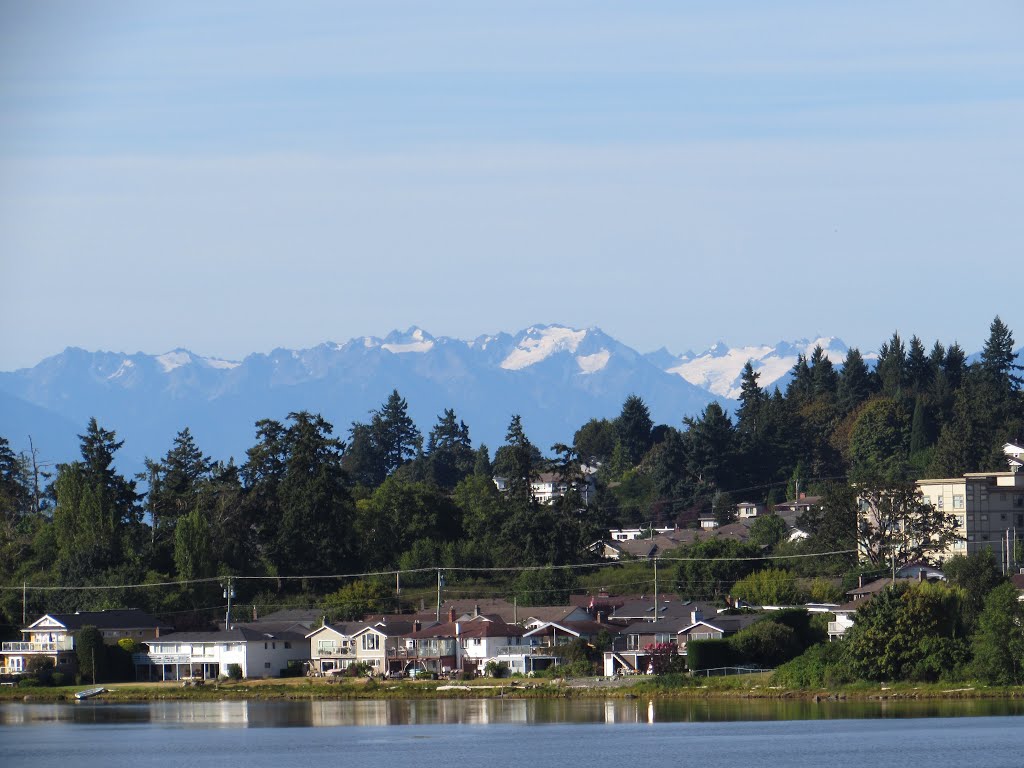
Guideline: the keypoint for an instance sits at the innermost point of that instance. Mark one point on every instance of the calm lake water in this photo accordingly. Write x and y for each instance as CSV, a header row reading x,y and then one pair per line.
x,y
432,734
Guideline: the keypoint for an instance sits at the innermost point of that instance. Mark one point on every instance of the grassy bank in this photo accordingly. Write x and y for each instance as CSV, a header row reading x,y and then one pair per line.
x,y
667,687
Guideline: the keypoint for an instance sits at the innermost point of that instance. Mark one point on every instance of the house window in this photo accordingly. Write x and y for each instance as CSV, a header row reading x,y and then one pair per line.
x,y
287,645
371,642
958,502
476,641
266,665
984,518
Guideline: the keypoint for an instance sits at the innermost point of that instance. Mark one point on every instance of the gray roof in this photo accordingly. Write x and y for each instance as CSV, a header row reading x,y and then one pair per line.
x,y
119,618
667,609
234,635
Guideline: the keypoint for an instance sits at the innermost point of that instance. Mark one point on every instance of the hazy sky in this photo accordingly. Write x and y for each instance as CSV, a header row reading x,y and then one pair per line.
x,y
231,177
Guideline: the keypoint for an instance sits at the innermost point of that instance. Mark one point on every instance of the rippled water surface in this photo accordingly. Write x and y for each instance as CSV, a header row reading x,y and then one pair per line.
x,y
429,734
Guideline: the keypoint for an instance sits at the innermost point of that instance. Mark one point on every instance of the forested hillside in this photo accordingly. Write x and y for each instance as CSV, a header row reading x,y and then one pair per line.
x,y
311,500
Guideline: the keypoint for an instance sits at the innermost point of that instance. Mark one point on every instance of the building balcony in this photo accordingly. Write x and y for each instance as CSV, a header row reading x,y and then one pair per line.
x,y
525,650
335,653
66,644
156,659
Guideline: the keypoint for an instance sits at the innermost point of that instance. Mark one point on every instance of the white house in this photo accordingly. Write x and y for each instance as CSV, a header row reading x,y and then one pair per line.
x,y
208,654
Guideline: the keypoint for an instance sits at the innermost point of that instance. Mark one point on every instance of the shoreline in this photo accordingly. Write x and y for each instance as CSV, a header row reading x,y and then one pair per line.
x,y
305,689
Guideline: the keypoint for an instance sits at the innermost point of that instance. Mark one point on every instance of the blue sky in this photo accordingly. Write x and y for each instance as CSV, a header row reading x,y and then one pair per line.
x,y
230,177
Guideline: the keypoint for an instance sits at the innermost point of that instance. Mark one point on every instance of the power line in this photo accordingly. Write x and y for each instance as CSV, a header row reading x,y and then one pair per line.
x,y
450,569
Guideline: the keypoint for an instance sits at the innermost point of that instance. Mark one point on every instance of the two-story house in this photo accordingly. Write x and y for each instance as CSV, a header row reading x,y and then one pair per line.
x,y
52,636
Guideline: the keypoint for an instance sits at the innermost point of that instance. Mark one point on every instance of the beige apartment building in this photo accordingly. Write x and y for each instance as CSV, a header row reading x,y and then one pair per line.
x,y
989,508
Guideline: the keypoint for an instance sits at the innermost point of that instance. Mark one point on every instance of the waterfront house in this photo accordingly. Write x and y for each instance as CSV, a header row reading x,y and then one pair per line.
x,y
52,636
207,655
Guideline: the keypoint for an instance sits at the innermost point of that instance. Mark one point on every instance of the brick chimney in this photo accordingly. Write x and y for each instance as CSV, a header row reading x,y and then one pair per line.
x,y
451,614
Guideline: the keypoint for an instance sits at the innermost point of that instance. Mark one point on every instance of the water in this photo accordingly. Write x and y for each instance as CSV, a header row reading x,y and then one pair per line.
x,y
436,734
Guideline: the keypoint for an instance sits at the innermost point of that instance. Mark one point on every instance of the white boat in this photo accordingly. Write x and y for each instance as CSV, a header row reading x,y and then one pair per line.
x,y
88,693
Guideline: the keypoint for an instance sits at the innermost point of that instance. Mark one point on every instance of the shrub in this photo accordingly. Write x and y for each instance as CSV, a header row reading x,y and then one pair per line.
x,y
58,679
820,666
709,654
234,671
28,682
765,644
359,669
295,668
496,669
40,668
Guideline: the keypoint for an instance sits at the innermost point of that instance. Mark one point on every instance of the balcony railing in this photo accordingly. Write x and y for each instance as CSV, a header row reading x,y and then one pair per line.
x,y
331,653
837,627
146,659
60,645
526,650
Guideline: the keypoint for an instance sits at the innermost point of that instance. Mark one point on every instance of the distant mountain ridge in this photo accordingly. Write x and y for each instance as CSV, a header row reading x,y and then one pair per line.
x,y
554,376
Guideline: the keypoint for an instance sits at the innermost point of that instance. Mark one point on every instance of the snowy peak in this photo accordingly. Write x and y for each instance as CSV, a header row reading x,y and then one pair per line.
x,y
174,359
539,343
413,340
719,369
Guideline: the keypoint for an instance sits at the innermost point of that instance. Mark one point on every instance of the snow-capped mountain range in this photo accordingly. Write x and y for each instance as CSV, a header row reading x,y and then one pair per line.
x,y
554,376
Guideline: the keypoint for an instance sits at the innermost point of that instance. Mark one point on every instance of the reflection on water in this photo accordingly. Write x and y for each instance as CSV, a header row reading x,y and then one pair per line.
x,y
263,714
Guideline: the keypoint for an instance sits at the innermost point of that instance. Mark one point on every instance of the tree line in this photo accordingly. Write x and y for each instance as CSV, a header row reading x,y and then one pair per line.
x,y
308,502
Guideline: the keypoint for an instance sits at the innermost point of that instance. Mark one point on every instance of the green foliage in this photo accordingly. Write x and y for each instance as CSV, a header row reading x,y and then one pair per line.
x,y
233,671
769,586
717,564
633,430
897,524
192,552
497,669
908,634
767,531
977,574
355,600
91,653
665,659
821,666
545,586
765,644
709,654
999,642
880,442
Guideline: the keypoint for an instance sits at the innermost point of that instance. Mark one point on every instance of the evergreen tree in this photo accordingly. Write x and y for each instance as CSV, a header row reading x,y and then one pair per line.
x,y
880,442
855,383
801,386
824,379
998,358
955,366
752,400
518,461
920,370
96,508
449,452
395,433
595,441
633,429
482,463
920,428
296,496
891,367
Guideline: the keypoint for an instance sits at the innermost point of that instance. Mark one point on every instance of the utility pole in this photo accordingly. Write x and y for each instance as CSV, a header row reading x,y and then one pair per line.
x,y
655,589
229,592
24,603
439,582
